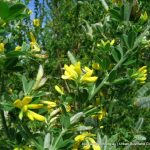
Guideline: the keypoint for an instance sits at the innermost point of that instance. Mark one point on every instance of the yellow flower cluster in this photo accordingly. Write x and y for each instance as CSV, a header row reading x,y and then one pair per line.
x,y
34,45
74,72
36,22
59,89
22,148
100,115
90,142
103,44
18,48
1,47
49,104
25,107
140,75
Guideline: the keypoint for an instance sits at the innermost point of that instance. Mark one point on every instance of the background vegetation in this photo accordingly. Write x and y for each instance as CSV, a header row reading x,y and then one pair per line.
x,y
104,105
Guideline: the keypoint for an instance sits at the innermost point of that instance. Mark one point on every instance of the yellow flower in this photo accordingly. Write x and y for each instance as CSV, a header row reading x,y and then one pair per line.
x,y
140,75
86,147
34,45
100,115
59,89
74,72
25,107
87,76
70,72
1,47
49,104
36,22
18,48
103,44
68,107
94,145
88,138
22,148
81,137
34,116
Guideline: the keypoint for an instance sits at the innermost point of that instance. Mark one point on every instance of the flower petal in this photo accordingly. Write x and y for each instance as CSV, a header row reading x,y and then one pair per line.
x,y
49,103
26,100
35,106
89,79
29,115
59,90
95,145
78,68
36,116
18,103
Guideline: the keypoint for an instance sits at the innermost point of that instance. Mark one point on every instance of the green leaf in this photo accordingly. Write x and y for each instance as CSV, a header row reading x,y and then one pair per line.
x,y
139,124
125,40
115,55
129,62
76,117
10,63
39,94
65,121
121,81
131,39
71,57
115,14
63,143
47,141
126,11
104,62
105,139
16,10
105,5
99,139
139,138
25,84
30,85
119,48
84,128
14,53
7,106
25,47
4,10
143,102
142,91
113,75
82,95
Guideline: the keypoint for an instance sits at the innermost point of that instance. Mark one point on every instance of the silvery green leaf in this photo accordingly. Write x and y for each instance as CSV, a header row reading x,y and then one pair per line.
x,y
71,57
139,137
47,141
76,117
84,128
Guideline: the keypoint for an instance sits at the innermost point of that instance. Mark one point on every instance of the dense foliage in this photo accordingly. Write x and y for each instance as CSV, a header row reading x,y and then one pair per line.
x,y
76,76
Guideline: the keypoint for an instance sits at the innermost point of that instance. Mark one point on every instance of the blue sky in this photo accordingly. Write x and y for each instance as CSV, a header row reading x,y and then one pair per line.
x,y
31,7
